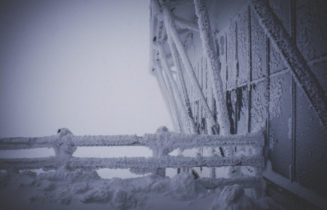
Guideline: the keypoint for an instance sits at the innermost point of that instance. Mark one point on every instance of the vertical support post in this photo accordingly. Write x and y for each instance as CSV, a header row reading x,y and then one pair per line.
x,y
209,125
250,71
214,69
64,147
161,151
293,36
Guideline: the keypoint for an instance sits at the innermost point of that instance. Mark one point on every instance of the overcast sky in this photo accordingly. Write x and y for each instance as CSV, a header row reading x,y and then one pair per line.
x,y
78,64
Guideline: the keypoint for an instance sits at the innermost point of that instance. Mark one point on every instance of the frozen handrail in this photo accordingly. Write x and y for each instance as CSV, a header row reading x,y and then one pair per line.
x,y
167,140
65,144
135,162
26,142
29,163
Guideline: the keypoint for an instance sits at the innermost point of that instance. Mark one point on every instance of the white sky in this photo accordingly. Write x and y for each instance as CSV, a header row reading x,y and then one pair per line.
x,y
78,64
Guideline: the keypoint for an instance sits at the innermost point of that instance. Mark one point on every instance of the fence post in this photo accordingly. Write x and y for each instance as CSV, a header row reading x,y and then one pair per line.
x,y
160,151
64,147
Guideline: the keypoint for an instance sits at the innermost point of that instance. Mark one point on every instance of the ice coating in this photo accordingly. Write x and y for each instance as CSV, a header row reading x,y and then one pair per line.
x,y
74,190
292,57
161,143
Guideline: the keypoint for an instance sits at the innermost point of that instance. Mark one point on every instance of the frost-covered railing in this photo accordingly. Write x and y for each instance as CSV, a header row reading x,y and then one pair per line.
x,y
161,144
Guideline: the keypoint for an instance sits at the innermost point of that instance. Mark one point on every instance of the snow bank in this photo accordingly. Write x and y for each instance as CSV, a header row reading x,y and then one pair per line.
x,y
75,181
184,187
69,190
233,197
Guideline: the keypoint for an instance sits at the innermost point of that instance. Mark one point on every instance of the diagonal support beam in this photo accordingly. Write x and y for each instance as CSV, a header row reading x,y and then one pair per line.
x,y
186,24
292,57
173,96
164,93
170,96
174,87
181,78
172,32
214,68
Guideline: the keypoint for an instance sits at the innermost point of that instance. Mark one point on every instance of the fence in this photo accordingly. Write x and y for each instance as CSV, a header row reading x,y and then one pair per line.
x,y
161,144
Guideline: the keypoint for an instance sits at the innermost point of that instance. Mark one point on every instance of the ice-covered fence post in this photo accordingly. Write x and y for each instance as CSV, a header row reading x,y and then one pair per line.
x,y
172,32
292,57
159,150
64,147
213,64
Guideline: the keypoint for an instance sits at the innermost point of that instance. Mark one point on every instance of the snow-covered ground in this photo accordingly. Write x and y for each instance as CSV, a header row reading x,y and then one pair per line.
x,y
79,189
75,188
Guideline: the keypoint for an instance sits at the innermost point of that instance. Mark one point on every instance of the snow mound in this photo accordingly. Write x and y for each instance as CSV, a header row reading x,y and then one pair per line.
x,y
123,200
185,187
233,198
69,189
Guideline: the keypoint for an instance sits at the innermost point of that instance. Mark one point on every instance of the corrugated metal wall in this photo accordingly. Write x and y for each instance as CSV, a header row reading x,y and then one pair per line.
x,y
261,91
